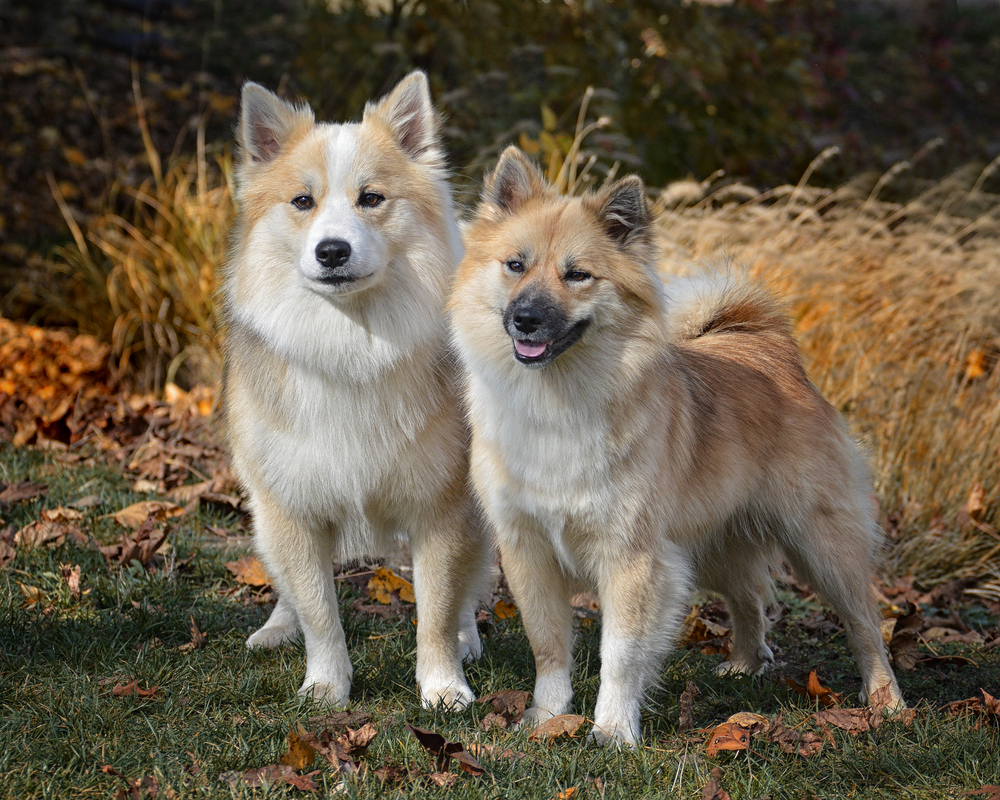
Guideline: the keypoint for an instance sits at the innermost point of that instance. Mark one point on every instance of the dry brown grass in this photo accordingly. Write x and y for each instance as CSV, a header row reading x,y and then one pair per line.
x,y
897,310
145,281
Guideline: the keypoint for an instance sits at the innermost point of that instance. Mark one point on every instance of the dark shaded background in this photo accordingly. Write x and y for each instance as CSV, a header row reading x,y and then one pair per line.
x,y
753,88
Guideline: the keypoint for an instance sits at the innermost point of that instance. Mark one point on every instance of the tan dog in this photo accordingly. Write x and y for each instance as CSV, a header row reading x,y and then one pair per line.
x,y
641,440
340,393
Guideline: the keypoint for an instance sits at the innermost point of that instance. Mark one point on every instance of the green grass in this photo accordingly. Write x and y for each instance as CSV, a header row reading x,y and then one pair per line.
x,y
225,708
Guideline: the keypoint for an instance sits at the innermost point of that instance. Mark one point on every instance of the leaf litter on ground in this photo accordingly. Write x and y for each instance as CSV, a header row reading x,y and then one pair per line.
x,y
444,751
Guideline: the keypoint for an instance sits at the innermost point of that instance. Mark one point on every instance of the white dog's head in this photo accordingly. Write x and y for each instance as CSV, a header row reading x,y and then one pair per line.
x,y
336,201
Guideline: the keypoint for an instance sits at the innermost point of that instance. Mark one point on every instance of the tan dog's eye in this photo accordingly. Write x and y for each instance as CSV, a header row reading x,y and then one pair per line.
x,y
578,275
303,202
515,266
370,199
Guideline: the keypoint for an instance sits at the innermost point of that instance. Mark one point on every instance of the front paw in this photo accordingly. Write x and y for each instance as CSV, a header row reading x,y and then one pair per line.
x,y
335,695
744,666
453,695
613,734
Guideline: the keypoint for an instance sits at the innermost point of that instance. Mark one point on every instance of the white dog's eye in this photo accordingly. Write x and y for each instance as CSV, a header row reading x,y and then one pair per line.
x,y
303,202
515,266
370,199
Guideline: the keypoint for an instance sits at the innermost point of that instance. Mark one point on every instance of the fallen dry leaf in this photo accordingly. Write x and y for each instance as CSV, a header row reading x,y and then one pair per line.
x,y
562,725
443,750
566,794
992,791
727,736
340,752
272,773
713,789
852,720
72,577
134,790
698,630
814,690
504,610
48,534
686,707
140,546
385,582
508,708
904,646
986,710
135,515
7,551
132,688
198,639
442,779
23,490
33,596
753,723
390,773
248,570
300,755
804,744
356,742
60,514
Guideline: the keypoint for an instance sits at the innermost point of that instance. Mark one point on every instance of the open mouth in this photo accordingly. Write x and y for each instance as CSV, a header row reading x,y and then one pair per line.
x,y
540,353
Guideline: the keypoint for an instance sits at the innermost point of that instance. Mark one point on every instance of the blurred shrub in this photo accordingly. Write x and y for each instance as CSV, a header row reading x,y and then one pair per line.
x,y
141,274
691,87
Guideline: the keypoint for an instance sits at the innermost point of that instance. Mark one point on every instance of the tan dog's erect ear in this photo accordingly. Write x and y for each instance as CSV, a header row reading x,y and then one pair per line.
x,y
411,117
513,181
624,210
266,122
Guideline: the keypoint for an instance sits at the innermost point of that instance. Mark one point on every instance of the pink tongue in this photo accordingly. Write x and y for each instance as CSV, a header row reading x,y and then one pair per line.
x,y
529,349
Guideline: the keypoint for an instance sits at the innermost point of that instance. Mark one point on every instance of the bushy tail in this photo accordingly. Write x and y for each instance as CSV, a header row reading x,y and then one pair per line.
x,y
721,303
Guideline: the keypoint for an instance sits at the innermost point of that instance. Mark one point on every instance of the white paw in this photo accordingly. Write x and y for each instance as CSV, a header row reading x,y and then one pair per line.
x,y
453,695
271,636
613,733
754,666
470,648
331,694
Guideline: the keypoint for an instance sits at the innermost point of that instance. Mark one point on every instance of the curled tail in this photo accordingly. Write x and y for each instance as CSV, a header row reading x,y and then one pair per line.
x,y
721,303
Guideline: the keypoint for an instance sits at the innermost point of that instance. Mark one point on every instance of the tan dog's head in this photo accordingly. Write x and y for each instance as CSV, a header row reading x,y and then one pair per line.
x,y
556,270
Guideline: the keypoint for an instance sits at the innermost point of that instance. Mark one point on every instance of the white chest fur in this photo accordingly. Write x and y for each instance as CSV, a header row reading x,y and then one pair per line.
x,y
547,463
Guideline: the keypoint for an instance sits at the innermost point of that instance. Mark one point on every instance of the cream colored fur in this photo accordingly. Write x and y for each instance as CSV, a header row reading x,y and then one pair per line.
x,y
677,443
340,393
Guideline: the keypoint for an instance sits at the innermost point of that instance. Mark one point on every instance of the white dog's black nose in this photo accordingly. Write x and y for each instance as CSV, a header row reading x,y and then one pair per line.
x,y
333,253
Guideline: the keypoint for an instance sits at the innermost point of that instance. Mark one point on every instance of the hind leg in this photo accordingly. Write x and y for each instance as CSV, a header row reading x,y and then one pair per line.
x,y
281,627
835,555
450,558
739,572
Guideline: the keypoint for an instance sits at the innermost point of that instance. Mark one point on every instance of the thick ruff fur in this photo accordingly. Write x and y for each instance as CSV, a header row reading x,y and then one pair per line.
x,y
340,394
641,447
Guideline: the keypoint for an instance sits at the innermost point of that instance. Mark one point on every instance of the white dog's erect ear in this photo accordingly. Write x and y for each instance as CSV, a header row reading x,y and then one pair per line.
x,y
513,181
266,122
624,210
410,115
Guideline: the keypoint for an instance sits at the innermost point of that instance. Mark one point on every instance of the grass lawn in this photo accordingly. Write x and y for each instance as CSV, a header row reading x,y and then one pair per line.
x,y
221,708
